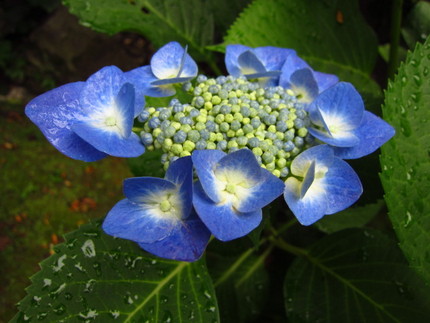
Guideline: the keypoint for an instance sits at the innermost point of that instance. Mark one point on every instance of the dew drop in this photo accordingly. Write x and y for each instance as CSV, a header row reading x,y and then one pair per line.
x,y
425,71
60,309
115,314
42,315
408,219
417,79
164,299
404,80
88,249
167,317
97,268
60,263
68,296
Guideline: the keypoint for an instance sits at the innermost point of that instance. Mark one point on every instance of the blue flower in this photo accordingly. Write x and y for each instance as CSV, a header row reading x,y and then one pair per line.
x,y
169,65
90,120
340,120
322,184
306,83
158,214
231,191
263,63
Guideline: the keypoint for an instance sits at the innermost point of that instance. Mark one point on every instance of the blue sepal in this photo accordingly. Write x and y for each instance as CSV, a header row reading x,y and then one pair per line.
x,y
137,222
372,134
223,221
186,242
54,112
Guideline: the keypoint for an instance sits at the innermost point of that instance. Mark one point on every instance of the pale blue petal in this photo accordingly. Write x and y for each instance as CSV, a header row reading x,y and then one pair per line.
x,y
241,161
166,62
303,83
223,221
132,221
267,190
308,180
142,79
54,112
292,64
348,139
341,101
204,162
109,142
172,80
232,53
124,103
372,134
322,154
187,241
101,89
142,189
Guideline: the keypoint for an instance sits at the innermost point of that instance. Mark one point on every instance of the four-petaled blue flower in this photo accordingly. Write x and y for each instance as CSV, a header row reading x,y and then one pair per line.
x,y
262,63
90,120
158,214
231,191
306,83
322,184
169,65
340,120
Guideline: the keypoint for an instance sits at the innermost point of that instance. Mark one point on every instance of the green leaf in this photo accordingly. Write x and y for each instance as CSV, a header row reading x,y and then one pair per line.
x,y
188,22
354,217
355,276
417,24
95,277
346,47
241,283
148,164
405,158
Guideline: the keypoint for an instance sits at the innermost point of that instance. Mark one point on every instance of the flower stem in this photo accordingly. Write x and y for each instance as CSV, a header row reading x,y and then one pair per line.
x,y
396,20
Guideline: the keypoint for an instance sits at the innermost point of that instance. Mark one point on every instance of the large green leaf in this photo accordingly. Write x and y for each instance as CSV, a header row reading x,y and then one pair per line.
x,y
330,35
405,158
417,24
355,276
189,22
94,277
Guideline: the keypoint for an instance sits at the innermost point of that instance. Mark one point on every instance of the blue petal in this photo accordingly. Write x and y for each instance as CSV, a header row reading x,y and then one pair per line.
x,y
180,172
172,80
171,60
273,58
249,63
269,188
54,112
142,79
342,185
204,162
242,161
145,189
223,221
232,53
109,142
325,80
292,64
124,102
101,89
134,222
302,82
372,134
308,180
186,242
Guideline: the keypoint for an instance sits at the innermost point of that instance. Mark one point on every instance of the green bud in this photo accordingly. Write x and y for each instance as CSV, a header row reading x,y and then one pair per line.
x,y
211,145
276,172
232,143
302,132
231,133
185,128
216,99
237,116
270,167
220,118
208,105
229,118
257,151
200,126
281,162
167,143
207,96
272,128
185,153
176,149
247,128
176,125
246,120
224,127
189,146
156,132
239,132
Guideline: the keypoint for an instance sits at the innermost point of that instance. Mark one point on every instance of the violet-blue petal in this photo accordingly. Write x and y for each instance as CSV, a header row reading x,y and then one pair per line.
x,y
249,63
232,53
325,80
273,58
142,79
145,189
372,134
109,142
268,189
186,242
242,161
343,186
204,162
223,221
136,222
54,112
171,60
180,172
292,64
303,82
172,80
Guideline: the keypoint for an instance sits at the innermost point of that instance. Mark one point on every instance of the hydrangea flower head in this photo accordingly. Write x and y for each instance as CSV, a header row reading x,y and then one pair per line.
x,y
340,120
231,191
92,119
171,64
158,215
262,63
302,80
321,184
